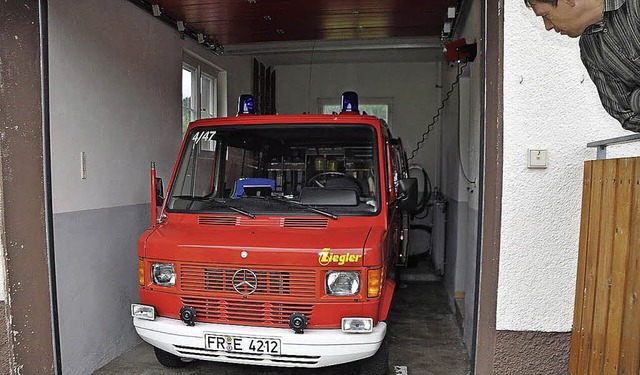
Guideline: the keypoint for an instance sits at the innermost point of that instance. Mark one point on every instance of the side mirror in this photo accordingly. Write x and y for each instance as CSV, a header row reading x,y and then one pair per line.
x,y
407,194
424,187
159,192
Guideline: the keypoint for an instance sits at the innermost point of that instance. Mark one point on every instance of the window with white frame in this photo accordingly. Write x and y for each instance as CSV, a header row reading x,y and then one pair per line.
x,y
199,91
378,107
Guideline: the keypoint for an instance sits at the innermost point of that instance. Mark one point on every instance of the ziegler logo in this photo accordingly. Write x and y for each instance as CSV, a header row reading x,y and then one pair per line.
x,y
326,257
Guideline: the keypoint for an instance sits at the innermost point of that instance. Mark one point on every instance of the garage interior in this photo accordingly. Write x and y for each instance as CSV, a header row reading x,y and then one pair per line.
x,y
116,74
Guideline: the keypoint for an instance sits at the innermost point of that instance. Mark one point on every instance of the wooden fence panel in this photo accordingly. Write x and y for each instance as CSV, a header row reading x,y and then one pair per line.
x,y
606,327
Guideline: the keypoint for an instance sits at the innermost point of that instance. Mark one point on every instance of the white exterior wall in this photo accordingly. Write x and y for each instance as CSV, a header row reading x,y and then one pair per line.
x,y
549,103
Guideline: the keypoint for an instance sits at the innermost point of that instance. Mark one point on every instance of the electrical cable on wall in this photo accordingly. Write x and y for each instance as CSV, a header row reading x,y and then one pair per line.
x,y
435,118
464,173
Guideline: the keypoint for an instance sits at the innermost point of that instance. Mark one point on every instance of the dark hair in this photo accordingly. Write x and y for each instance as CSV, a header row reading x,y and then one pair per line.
x,y
552,2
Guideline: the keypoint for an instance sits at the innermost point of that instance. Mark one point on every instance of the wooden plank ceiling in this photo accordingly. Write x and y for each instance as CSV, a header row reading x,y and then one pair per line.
x,y
253,21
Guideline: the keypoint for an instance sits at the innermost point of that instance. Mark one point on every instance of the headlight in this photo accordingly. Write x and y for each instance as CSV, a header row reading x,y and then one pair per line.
x,y
163,274
343,283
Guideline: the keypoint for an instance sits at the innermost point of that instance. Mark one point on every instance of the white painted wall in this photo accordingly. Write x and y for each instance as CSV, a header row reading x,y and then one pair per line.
x,y
115,94
411,85
115,81
549,103
463,115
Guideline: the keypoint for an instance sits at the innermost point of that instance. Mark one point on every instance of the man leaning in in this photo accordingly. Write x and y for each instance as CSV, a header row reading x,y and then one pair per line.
x,y
609,32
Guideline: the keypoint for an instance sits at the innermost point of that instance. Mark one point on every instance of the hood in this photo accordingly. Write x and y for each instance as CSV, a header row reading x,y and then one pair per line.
x,y
260,245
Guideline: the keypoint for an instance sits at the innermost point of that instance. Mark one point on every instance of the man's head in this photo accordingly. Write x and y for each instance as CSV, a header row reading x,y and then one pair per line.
x,y
568,17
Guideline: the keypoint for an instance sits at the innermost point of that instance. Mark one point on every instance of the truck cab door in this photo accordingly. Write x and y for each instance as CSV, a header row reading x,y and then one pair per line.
x,y
401,165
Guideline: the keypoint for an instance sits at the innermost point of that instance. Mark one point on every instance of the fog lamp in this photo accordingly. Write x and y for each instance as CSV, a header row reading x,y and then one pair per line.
x,y
357,325
143,311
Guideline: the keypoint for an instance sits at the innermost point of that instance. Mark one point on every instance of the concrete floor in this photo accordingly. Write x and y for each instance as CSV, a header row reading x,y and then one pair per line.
x,y
423,336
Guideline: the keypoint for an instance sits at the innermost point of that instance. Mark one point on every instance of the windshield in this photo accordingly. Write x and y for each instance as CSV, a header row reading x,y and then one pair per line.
x,y
278,170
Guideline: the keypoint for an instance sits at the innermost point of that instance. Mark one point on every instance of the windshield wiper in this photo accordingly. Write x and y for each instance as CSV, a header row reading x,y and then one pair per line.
x,y
236,209
221,202
306,206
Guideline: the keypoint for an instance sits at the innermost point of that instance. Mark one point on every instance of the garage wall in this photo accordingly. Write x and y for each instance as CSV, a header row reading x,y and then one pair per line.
x,y
5,350
412,87
460,161
115,94
3,271
549,103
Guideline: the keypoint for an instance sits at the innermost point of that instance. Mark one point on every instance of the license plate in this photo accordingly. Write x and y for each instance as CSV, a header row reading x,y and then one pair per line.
x,y
242,344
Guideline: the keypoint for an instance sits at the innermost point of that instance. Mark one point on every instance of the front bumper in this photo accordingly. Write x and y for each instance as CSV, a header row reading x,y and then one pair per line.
x,y
314,348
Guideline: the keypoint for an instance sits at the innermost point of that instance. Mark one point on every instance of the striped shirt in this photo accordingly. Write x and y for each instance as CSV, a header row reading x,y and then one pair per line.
x,y
611,53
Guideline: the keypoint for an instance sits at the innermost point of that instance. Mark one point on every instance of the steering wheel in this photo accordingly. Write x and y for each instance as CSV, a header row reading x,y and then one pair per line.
x,y
351,181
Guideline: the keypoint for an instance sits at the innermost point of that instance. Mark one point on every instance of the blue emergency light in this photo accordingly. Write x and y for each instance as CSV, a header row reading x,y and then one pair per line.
x,y
350,102
246,105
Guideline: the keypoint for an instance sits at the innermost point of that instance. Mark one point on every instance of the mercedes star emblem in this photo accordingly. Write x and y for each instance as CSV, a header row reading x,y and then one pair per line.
x,y
244,281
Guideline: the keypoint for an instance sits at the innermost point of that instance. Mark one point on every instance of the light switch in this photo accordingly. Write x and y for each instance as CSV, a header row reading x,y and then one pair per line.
x,y
538,159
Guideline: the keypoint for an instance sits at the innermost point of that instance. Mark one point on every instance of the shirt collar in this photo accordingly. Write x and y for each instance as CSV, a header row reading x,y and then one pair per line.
x,y
609,5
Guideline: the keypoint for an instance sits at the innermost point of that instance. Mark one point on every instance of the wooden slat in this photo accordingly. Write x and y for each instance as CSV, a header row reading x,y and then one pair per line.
x,y
630,342
582,270
622,228
597,167
603,276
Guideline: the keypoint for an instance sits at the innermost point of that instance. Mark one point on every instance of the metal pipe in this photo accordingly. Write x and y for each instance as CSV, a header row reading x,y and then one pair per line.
x,y
154,202
601,146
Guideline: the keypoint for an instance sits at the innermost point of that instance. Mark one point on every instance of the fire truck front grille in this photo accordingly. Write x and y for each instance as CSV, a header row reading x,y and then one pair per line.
x,y
299,283
214,310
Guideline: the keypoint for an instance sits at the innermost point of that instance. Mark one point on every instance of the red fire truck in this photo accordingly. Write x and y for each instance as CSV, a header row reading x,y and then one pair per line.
x,y
277,242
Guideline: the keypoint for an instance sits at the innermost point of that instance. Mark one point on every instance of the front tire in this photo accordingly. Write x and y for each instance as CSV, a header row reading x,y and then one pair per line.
x,y
168,359
378,364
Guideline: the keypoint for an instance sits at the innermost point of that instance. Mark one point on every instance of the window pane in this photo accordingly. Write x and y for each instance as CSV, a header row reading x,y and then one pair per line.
x,y
187,98
377,110
328,109
187,84
206,97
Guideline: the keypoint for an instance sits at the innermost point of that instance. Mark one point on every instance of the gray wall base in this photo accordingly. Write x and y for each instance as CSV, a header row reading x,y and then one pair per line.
x,y
97,267
530,353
